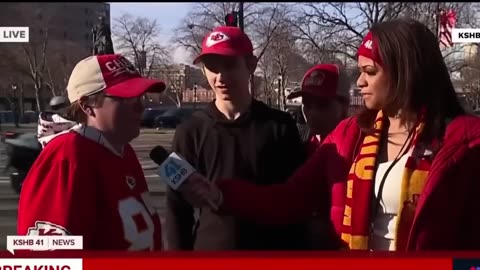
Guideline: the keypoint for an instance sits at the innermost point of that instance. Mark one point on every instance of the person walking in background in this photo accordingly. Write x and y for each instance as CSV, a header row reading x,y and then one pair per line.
x,y
400,175
50,123
235,136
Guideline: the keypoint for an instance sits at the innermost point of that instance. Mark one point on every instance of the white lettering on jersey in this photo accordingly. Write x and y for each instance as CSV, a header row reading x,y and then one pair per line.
x,y
128,209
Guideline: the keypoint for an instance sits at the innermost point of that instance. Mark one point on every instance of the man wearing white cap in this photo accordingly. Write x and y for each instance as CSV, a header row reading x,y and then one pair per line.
x,y
88,181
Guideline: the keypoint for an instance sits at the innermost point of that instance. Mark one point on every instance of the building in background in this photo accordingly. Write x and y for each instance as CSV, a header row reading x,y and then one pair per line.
x,y
65,22
179,76
184,83
68,27
199,95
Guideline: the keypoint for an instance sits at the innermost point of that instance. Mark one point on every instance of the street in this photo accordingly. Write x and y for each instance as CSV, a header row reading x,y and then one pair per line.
x,y
148,139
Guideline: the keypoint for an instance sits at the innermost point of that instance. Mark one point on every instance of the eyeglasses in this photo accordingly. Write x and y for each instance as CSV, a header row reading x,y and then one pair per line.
x,y
133,100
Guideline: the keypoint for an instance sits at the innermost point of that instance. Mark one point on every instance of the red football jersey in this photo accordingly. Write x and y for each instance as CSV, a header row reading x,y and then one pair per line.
x,y
78,186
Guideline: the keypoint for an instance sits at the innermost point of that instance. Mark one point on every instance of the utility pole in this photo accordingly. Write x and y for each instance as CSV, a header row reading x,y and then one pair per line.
x,y
240,16
241,24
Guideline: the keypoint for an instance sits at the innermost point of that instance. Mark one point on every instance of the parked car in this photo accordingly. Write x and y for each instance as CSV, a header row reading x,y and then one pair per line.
x,y
148,118
172,117
22,150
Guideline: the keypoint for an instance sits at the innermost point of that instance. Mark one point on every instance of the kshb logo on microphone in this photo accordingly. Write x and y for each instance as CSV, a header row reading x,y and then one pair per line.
x,y
174,170
466,35
14,34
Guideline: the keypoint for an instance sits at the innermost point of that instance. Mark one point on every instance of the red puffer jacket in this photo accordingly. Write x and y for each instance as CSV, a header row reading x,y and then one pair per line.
x,y
448,211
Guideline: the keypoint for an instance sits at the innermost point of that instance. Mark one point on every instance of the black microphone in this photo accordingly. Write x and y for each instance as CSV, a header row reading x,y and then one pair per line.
x,y
159,154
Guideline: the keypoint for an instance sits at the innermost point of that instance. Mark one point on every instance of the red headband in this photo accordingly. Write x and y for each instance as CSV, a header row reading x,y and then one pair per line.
x,y
369,48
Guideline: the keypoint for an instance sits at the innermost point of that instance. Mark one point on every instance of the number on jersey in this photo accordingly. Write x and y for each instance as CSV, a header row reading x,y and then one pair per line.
x,y
131,207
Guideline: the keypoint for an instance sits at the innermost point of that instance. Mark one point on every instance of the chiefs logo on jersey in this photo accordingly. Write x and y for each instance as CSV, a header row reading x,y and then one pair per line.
x,y
47,228
215,38
131,182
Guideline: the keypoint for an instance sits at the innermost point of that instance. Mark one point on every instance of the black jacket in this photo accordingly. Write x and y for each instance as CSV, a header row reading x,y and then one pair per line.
x,y
304,131
262,145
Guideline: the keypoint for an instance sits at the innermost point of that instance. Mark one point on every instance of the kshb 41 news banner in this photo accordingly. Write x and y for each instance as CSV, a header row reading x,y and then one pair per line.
x,y
53,252
58,252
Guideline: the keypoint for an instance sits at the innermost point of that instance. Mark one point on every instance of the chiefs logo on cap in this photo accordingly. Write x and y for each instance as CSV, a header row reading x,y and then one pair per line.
x,y
315,78
215,38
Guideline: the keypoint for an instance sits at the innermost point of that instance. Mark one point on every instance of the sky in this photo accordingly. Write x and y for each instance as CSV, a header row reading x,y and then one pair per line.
x,y
168,16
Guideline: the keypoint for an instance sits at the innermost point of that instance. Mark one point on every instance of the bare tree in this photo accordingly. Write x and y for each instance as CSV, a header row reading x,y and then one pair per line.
x,y
281,65
60,60
35,57
138,39
28,62
471,81
166,71
283,46
58,70
267,74
261,20
467,17
202,18
336,29
40,65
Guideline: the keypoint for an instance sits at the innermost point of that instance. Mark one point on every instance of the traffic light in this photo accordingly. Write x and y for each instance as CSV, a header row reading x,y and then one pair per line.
x,y
231,19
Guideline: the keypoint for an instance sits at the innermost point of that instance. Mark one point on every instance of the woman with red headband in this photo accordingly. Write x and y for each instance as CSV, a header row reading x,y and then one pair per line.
x,y
401,175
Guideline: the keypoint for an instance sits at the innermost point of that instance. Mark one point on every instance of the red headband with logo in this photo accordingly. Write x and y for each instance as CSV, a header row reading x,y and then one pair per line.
x,y
369,48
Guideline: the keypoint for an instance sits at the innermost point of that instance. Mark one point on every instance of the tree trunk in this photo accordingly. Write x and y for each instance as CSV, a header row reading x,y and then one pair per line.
x,y
281,91
178,101
39,98
252,85
267,94
54,93
21,101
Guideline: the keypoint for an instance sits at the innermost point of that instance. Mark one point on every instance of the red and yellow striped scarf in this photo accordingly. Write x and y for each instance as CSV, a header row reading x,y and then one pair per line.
x,y
357,216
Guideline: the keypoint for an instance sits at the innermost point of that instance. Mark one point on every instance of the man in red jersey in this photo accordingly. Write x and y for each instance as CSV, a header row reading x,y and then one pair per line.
x,y
88,181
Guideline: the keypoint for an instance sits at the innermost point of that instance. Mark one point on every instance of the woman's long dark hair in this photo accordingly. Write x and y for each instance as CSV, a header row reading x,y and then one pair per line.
x,y
418,77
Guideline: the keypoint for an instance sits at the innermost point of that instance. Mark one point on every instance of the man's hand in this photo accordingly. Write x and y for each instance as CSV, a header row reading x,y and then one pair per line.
x,y
200,192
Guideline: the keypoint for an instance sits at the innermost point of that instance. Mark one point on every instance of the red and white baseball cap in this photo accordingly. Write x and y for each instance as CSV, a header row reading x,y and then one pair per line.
x,y
111,73
324,81
226,40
